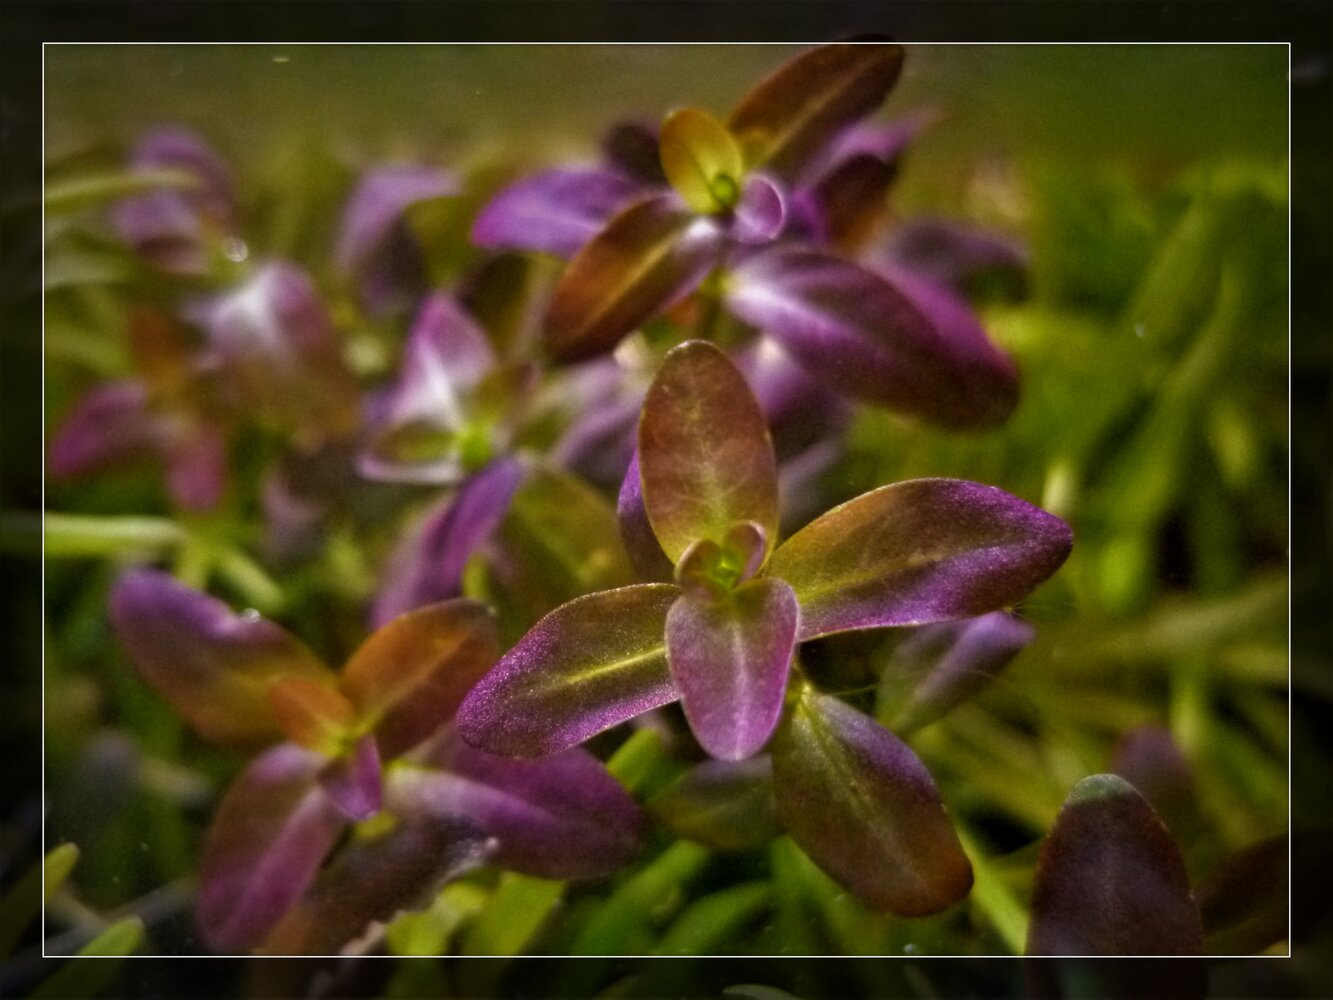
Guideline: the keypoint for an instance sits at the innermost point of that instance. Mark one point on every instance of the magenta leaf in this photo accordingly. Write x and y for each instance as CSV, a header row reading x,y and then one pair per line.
x,y
110,425
801,411
916,552
725,805
943,665
846,189
212,665
647,258
423,435
378,205
705,456
269,837
956,255
864,808
171,227
428,565
352,781
902,343
587,666
195,455
729,657
761,212
645,552
1110,880
561,816
555,211
372,881
279,355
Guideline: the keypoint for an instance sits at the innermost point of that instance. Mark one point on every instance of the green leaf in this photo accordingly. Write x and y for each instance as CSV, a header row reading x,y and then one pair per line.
x,y
22,904
59,863
708,924
705,455
513,916
701,160
725,805
560,540
81,192
69,536
77,980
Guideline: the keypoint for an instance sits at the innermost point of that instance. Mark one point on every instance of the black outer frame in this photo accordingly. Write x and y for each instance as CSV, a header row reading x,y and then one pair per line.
x,y
26,24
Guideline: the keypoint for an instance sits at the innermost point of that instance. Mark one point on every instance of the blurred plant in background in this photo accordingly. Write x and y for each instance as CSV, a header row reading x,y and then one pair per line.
x,y
323,388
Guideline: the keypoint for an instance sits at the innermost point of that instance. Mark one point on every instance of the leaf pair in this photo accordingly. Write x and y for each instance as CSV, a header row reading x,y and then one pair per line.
x,y
243,680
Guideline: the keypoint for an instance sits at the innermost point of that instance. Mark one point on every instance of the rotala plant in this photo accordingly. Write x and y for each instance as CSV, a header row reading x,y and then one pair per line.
x,y
495,547
376,735
723,636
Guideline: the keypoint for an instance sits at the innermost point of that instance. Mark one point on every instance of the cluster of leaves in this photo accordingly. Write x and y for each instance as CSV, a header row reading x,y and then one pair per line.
x,y
732,326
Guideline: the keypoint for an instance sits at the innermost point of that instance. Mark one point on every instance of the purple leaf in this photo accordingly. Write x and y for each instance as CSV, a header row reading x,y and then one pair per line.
x,y
428,565
1150,759
603,398
901,343
1243,902
705,457
562,816
801,411
729,658
409,677
789,117
645,551
110,424
378,205
761,212
955,255
212,665
846,191
1110,880
372,881
556,211
651,255
864,808
352,781
275,343
419,437
196,464
587,666
269,836
631,148
725,805
917,552
171,227
950,663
